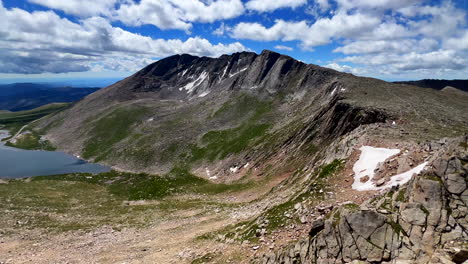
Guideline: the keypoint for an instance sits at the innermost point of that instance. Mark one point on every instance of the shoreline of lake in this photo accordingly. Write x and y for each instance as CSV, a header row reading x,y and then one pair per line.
x,y
21,163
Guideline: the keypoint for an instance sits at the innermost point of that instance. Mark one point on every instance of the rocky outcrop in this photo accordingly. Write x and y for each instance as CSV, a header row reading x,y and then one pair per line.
x,y
422,222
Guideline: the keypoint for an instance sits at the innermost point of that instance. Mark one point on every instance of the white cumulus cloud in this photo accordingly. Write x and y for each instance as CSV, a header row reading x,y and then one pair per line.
x,y
282,47
165,14
79,7
322,32
271,5
42,41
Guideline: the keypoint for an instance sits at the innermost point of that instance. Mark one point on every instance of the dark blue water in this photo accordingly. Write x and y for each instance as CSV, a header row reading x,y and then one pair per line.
x,y
19,163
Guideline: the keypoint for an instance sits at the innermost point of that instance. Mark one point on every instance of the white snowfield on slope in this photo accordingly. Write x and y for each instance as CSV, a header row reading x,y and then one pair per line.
x,y
367,163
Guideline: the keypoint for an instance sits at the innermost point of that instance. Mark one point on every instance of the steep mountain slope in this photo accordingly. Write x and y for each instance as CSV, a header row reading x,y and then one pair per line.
x,y
26,96
227,111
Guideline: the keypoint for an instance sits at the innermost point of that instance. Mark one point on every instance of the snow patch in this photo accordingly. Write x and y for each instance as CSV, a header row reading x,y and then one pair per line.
x,y
333,92
241,70
234,169
246,165
205,93
365,166
224,72
404,177
150,119
191,85
367,163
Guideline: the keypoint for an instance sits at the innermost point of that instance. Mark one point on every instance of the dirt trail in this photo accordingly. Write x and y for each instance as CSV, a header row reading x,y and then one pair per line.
x,y
164,243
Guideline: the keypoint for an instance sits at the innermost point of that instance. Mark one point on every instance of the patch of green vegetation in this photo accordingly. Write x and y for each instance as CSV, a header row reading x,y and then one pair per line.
x,y
207,258
173,204
401,195
426,212
336,218
140,149
449,210
130,186
169,152
192,183
219,144
387,204
60,206
111,129
243,106
331,168
222,187
397,228
464,145
144,186
206,236
309,148
433,178
352,207
31,140
276,215
375,199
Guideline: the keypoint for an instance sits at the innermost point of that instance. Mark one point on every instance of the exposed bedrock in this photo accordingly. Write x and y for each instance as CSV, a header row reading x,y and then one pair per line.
x,y
424,221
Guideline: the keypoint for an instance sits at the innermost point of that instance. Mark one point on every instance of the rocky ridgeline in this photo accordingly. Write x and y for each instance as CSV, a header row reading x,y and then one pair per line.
x,y
422,222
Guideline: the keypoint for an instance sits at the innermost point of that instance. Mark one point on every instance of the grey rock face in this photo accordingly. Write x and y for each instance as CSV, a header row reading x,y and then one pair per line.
x,y
433,217
365,223
413,214
456,183
317,226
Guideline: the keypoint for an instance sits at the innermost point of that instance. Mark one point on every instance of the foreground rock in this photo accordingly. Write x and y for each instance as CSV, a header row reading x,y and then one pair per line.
x,y
423,222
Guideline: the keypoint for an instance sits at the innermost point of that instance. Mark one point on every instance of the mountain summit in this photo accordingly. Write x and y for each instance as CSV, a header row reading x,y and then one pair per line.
x,y
185,76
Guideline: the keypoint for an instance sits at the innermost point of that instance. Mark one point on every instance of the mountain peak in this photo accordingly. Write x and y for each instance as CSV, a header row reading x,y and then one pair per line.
x,y
161,67
267,52
186,76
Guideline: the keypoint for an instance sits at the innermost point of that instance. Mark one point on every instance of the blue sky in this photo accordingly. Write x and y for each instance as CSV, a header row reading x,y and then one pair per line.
x,y
387,39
